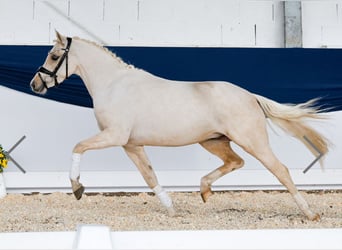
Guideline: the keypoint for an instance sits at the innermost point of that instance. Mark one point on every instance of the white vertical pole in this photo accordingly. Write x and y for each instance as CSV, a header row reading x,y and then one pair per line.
x,y
293,24
3,192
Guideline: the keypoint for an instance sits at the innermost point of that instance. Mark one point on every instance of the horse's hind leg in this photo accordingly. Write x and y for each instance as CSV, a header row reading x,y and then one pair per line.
x,y
221,148
138,156
254,140
270,161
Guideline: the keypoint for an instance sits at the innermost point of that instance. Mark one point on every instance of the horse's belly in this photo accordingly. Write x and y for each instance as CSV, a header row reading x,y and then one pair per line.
x,y
171,136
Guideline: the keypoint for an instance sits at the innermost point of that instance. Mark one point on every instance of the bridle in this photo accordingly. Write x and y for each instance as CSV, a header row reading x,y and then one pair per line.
x,y
53,73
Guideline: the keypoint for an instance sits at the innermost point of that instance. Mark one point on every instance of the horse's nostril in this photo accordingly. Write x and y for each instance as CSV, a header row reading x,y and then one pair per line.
x,y
33,85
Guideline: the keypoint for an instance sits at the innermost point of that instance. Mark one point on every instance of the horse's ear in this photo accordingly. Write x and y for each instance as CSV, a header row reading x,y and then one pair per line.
x,y
60,38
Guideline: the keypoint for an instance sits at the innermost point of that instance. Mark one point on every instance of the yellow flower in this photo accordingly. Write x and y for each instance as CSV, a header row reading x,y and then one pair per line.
x,y
3,162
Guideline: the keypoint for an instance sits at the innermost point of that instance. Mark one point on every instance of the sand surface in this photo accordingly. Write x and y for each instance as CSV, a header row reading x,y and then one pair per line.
x,y
143,211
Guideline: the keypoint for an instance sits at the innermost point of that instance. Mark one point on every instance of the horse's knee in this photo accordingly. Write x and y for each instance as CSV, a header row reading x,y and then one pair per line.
x,y
79,148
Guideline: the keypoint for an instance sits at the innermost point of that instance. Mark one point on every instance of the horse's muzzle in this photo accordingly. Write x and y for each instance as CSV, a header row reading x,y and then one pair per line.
x,y
37,86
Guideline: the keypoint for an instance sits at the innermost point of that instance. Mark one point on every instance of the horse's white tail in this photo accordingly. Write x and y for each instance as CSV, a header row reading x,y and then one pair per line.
x,y
292,119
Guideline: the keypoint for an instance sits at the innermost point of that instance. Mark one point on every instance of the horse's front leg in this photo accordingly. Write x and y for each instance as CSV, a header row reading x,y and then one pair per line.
x,y
138,156
77,187
104,139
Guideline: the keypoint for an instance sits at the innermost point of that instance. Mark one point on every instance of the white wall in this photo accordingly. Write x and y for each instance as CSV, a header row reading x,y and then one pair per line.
x,y
236,23
144,22
322,24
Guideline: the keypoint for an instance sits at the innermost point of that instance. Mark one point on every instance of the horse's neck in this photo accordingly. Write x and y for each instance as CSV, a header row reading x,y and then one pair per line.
x,y
97,68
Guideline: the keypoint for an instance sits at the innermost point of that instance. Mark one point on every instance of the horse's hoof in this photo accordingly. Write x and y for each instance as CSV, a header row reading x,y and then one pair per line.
x,y
315,217
171,211
205,195
78,193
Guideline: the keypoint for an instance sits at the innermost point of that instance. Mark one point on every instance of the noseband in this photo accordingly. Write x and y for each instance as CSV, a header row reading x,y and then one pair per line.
x,y
53,73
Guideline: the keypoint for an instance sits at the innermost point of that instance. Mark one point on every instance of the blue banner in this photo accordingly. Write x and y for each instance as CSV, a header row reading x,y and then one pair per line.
x,y
284,75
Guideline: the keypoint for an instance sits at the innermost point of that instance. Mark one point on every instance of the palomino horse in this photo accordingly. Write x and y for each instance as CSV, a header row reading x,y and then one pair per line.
x,y
134,108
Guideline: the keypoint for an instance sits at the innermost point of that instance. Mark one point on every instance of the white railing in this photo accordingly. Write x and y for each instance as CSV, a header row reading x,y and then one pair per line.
x,y
100,237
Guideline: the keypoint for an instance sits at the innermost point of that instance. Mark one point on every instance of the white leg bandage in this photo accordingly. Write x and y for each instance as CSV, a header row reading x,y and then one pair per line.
x,y
75,166
163,196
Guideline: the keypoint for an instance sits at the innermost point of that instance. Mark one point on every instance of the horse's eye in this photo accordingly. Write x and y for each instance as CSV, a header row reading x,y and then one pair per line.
x,y
54,57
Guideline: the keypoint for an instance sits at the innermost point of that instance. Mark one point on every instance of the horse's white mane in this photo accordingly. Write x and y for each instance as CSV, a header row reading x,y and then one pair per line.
x,y
117,58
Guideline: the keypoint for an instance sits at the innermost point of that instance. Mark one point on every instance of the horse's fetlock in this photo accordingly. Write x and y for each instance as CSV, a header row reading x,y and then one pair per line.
x,y
206,194
79,148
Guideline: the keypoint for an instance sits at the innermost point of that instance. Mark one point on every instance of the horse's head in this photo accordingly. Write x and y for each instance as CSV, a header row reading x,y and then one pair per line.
x,y
56,67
